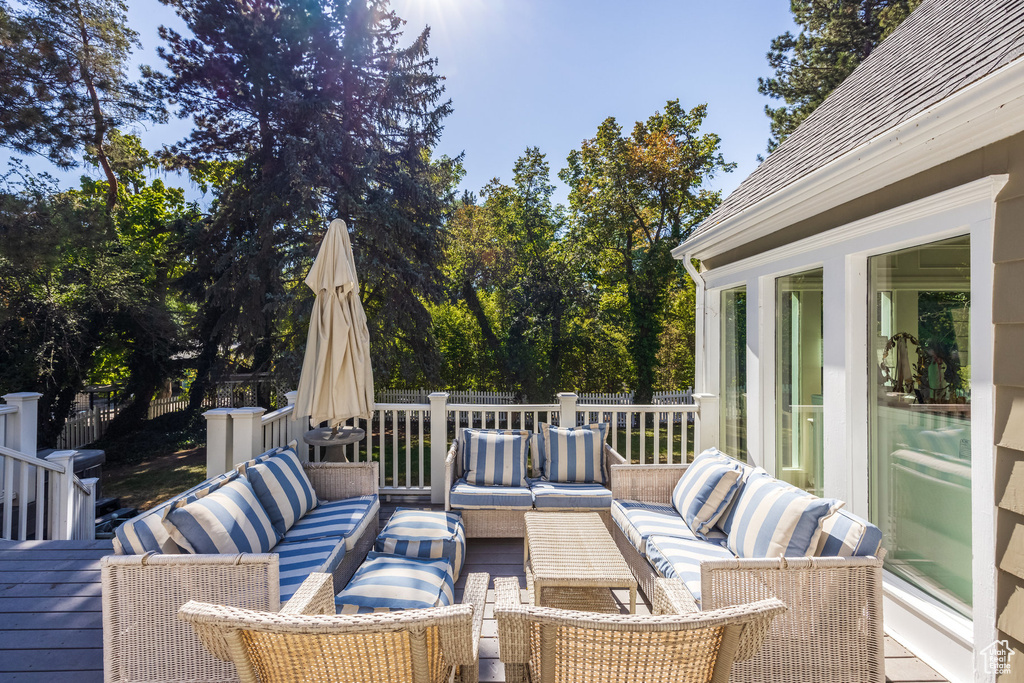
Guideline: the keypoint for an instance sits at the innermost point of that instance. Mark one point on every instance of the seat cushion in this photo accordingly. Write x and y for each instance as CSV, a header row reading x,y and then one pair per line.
x,y
773,519
639,520
574,454
553,494
844,534
496,457
224,519
706,489
680,558
283,488
385,583
346,519
467,496
296,561
428,534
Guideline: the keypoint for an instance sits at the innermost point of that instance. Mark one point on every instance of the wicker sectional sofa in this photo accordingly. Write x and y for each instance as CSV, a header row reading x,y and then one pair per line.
x,y
150,578
832,630
498,511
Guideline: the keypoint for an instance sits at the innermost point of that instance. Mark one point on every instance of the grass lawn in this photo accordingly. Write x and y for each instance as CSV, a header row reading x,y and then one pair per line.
x,y
144,484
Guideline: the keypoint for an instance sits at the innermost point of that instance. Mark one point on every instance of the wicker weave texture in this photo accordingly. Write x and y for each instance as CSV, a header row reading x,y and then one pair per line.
x,y
542,644
421,646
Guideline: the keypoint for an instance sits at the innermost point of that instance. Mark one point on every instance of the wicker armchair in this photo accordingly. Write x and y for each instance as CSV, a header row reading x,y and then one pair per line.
x,y
832,630
307,641
543,644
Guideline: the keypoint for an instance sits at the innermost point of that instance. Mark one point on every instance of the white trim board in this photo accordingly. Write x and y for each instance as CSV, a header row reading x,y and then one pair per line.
x,y
981,114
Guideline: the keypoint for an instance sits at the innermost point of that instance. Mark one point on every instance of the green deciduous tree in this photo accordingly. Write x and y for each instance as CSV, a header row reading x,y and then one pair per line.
x,y
323,114
633,199
835,36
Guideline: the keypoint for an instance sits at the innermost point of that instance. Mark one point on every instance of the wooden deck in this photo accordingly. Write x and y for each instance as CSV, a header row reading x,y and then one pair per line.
x,y
51,625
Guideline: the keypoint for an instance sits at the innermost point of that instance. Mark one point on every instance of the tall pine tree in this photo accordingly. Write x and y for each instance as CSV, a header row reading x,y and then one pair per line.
x,y
835,36
320,112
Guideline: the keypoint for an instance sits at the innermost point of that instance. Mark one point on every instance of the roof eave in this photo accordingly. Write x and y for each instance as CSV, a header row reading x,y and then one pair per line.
x,y
980,114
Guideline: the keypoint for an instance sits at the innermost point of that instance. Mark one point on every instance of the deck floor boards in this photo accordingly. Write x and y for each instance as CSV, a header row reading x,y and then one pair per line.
x,y
51,624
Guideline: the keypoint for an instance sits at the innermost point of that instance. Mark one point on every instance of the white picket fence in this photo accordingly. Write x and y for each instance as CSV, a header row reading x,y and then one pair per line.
x,y
169,404
86,426
42,499
410,440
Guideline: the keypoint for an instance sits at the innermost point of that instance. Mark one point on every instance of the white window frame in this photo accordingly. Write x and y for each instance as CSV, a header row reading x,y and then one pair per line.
x,y
843,254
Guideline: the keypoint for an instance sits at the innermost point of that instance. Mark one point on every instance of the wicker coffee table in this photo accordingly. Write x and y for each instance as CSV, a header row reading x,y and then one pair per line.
x,y
572,559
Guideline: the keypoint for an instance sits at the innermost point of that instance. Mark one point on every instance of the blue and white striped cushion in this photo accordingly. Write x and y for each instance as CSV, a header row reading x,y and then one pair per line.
x,y
680,558
496,457
844,534
226,519
296,561
385,583
773,519
705,489
336,519
574,454
283,488
147,532
466,496
428,534
639,520
554,494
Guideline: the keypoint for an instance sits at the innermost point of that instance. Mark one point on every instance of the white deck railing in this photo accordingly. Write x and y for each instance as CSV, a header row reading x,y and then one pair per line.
x,y
41,498
410,440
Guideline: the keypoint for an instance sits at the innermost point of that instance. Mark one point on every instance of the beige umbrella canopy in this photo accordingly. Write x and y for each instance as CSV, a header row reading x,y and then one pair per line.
x,y
337,380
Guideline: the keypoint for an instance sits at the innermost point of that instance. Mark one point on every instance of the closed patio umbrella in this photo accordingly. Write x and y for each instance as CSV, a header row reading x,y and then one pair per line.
x,y
337,380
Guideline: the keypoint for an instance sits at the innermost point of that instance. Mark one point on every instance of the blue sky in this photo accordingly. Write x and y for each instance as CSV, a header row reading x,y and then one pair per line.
x,y
546,73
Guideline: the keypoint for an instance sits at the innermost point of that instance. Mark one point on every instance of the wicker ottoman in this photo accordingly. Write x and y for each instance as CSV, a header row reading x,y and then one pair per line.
x,y
427,534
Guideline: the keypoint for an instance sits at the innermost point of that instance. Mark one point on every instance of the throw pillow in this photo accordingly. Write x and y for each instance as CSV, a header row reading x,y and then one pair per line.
x,y
283,489
227,519
574,454
705,490
496,457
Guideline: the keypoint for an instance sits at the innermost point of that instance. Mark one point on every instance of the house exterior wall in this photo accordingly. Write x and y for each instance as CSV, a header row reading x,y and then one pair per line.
x,y
1007,310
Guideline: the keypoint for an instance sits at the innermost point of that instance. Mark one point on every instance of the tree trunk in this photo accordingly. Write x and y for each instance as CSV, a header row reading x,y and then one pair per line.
x,y
491,339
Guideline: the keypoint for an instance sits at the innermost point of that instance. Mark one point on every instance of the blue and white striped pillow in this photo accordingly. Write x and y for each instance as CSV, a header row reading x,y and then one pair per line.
x,y
283,489
429,534
705,490
773,519
844,534
226,519
496,457
385,583
574,454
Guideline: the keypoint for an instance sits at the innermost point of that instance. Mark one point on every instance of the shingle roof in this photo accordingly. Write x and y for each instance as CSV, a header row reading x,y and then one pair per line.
x,y
944,46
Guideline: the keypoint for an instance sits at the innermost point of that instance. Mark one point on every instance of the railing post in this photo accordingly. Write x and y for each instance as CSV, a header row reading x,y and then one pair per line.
x,y
21,426
218,441
87,515
62,521
295,423
567,401
705,429
246,434
438,444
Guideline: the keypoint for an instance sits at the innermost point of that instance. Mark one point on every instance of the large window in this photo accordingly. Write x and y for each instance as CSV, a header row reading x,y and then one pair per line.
x,y
733,410
920,486
799,435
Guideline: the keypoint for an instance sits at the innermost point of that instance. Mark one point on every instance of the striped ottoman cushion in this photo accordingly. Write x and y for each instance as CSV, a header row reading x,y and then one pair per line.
x,y
706,489
555,494
639,520
773,519
385,583
680,558
428,534
283,488
225,519
296,561
336,519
